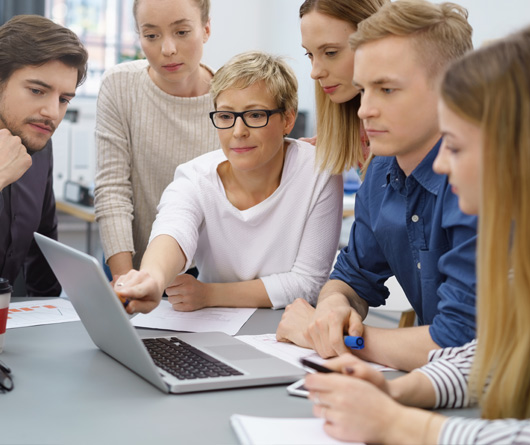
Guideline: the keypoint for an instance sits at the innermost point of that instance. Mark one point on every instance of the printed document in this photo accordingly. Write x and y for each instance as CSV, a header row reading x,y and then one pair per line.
x,y
288,351
39,312
214,319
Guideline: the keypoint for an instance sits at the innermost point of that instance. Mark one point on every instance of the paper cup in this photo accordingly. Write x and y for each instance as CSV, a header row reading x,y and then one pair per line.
x,y
5,296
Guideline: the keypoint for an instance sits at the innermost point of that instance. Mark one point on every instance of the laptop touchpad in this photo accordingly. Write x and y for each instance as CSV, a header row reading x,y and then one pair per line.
x,y
236,352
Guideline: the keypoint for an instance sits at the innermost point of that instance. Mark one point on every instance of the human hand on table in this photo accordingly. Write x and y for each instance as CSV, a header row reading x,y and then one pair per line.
x,y
351,365
354,409
321,329
360,406
186,293
333,319
294,323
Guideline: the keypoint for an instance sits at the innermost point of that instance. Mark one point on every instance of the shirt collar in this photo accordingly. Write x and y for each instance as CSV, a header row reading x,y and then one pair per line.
x,y
423,173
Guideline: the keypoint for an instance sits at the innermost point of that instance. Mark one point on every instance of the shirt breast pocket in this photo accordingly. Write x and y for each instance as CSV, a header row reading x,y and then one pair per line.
x,y
431,279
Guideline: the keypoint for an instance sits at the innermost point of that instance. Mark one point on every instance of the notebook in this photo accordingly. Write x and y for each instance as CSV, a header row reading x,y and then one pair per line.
x,y
108,325
252,430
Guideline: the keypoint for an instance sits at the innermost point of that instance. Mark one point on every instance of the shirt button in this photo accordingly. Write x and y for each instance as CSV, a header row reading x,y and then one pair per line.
x,y
418,265
415,218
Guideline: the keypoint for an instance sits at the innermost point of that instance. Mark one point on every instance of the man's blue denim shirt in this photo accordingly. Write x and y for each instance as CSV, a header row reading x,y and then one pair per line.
x,y
412,227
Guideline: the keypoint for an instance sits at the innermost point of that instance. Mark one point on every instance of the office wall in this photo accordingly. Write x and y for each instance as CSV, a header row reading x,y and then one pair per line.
x,y
10,8
493,19
273,25
269,25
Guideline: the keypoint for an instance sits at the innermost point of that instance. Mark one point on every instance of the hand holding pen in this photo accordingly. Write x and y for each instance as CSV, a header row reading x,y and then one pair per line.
x,y
333,317
138,291
350,365
353,342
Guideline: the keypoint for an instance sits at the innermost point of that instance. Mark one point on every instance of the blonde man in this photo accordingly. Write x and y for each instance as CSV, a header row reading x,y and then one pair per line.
x,y
408,223
250,215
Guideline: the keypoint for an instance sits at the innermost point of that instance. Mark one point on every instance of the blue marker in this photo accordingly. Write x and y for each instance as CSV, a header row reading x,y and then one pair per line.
x,y
354,342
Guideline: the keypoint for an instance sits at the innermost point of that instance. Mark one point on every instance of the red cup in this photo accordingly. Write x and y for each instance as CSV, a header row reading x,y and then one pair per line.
x,y
5,296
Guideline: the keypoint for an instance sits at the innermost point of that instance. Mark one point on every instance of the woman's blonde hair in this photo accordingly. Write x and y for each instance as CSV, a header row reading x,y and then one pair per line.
x,y
492,88
248,68
339,144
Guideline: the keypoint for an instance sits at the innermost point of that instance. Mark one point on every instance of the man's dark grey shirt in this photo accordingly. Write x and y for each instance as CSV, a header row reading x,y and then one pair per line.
x,y
27,206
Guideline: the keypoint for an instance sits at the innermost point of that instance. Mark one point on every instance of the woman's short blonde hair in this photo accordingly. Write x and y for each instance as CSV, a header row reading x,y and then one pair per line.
x,y
248,68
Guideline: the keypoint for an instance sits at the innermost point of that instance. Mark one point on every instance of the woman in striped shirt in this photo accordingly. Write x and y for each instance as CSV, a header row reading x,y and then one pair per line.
x,y
484,116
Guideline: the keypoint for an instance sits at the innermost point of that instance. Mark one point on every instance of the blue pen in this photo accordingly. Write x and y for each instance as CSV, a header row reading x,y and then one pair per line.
x,y
354,342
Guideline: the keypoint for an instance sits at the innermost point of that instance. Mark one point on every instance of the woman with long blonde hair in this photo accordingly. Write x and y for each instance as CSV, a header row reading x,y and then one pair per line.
x,y
326,26
484,116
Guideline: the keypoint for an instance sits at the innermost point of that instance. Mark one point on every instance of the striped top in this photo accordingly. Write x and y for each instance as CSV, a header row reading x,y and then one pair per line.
x,y
449,371
142,135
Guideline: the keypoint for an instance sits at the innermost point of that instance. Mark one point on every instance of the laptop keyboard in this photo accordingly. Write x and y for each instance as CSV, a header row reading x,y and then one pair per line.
x,y
184,361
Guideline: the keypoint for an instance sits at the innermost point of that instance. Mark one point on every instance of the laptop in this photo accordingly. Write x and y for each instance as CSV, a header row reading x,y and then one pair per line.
x,y
108,325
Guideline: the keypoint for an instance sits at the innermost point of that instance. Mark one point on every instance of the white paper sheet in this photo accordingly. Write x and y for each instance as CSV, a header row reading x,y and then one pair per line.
x,y
252,430
288,351
39,312
218,319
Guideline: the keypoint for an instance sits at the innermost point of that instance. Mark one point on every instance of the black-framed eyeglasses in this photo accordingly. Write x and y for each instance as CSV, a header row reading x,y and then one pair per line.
x,y
6,381
252,118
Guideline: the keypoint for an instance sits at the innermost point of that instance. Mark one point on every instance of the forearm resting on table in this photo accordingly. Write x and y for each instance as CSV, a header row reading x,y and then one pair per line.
x,y
336,288
414,426
401,348
413,389
239,294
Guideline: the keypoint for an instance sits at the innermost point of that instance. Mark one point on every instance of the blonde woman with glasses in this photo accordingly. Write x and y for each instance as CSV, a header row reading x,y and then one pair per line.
x,y
258,219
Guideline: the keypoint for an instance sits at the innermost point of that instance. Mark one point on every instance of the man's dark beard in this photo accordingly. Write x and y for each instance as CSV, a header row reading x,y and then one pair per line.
x,y
30,149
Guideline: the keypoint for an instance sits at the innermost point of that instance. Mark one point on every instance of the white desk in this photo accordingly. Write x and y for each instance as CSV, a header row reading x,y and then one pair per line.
x,y
69,392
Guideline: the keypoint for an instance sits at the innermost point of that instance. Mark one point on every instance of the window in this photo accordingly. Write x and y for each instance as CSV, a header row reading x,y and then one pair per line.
x,y
106,28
